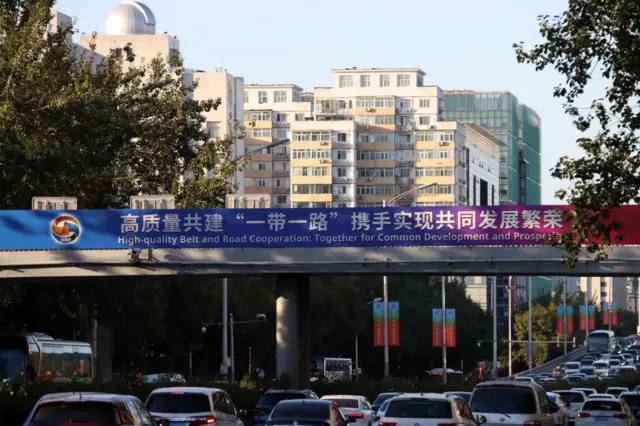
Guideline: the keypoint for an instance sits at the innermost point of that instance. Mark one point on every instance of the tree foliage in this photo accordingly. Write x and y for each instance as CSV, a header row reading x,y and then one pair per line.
x,y
595,38
73,123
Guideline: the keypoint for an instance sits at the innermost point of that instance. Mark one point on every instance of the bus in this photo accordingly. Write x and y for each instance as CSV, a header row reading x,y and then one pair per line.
x,y
338,369
601,341
27,356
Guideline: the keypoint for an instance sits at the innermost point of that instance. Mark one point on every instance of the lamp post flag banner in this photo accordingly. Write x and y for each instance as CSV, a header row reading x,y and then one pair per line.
x,y
451,327
570,320
583,318
394,323
378,324
614,314
560,320
592,317
437,331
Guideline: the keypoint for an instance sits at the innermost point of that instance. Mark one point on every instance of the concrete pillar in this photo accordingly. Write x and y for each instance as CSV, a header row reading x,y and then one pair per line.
x,y
292,328
304,331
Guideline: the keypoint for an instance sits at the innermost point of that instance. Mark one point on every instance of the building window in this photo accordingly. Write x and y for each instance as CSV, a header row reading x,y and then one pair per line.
x,y
246,96
346,81
262,97
342,154
424,103
425,120
342,172
281,117
404,80
214,130
385,81
259,116
342,137
279,96
365,81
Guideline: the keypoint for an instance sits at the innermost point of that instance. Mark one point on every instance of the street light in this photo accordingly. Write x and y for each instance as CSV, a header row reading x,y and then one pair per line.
x,y
225,284
385,290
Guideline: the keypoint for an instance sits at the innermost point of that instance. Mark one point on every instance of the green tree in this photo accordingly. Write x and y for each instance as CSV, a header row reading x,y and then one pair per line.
x,y
595,38
543,323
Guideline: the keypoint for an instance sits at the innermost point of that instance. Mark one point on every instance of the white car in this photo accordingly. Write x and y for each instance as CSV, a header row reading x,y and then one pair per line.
x,y
601,367
605,412
587,391
572,367
526,379
189,405
573,399
601,396
429,410
355,407
561,416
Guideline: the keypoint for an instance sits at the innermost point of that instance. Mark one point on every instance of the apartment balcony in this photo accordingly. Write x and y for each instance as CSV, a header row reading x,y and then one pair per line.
x,y
280,190
334,111
347,198
405,163
281,173
342,144
404,127
405,146
281,124
405,180
342,162
280,205
281,156
342,179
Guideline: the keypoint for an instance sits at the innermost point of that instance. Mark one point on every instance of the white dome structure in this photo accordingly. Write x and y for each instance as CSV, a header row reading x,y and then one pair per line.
x,y
131,17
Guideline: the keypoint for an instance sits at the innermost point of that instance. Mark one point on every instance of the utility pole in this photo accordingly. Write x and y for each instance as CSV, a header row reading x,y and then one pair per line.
x,y
385,296
357,361
232,374
494,302
509,331
564,302
224,367
444,331
530,351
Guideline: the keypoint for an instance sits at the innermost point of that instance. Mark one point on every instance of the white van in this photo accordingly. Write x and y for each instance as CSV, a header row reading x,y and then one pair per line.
x,y
507,403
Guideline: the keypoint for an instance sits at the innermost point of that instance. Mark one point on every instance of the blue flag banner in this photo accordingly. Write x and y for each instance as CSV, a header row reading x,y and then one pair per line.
x,y
279,228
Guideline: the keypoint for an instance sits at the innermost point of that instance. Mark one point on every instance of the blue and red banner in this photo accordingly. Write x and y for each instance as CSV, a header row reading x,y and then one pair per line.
x,y
606,313
560,316
614,313
592,317
394,323
437,332
280,228
450,326
570,329
378,324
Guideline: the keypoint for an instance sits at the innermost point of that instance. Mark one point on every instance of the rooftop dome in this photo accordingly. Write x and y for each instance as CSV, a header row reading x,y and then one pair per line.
x,y
131,17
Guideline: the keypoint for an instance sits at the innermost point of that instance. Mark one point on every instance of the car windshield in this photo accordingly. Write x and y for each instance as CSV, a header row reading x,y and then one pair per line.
x,y
84,412
632,400
614,362
419,409
572,365
615,391
571,397
301,410
601,406
383,397
179,403
345,402
271,399
503,400
600,364
587,363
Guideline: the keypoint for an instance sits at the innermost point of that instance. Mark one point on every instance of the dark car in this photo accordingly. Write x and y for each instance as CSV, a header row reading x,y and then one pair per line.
x,y
89,409
633,401
380,399
308,412
272,397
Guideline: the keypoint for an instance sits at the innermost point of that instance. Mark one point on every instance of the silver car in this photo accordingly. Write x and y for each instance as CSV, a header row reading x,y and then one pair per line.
x,y
506,403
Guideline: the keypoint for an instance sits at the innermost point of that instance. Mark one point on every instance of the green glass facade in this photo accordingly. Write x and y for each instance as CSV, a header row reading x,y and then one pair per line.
x,y
518,126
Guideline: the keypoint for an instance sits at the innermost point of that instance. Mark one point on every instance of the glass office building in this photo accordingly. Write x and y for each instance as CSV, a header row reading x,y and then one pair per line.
x,y
518,126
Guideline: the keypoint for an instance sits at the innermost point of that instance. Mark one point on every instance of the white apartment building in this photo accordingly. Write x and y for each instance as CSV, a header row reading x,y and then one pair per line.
x,y
131,33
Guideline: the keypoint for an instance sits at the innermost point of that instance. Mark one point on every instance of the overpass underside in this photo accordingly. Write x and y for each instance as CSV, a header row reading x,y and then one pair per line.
x,y
451,261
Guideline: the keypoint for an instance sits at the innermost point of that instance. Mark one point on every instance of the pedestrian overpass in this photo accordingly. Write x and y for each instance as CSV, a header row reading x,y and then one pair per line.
x,y
296,243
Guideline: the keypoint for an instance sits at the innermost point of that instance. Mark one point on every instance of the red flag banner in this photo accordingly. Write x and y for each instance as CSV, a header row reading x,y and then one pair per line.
x,y
583,318
614,314
451,327
606,314
378,324
570,320
560,319
592,317
394,323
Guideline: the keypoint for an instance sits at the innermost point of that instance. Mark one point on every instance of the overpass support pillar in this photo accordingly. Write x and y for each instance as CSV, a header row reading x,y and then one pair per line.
x,y
293,318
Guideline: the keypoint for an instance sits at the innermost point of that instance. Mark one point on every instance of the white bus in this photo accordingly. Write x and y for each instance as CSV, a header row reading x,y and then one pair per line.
x,y
27,356
338,369
601,341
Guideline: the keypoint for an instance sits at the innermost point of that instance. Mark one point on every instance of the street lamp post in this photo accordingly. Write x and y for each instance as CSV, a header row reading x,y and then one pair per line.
x,y
509,331
385,289
530,351
444,331
224,368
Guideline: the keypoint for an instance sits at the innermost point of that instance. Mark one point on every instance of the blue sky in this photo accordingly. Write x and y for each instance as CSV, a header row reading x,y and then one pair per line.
x,y
460,44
